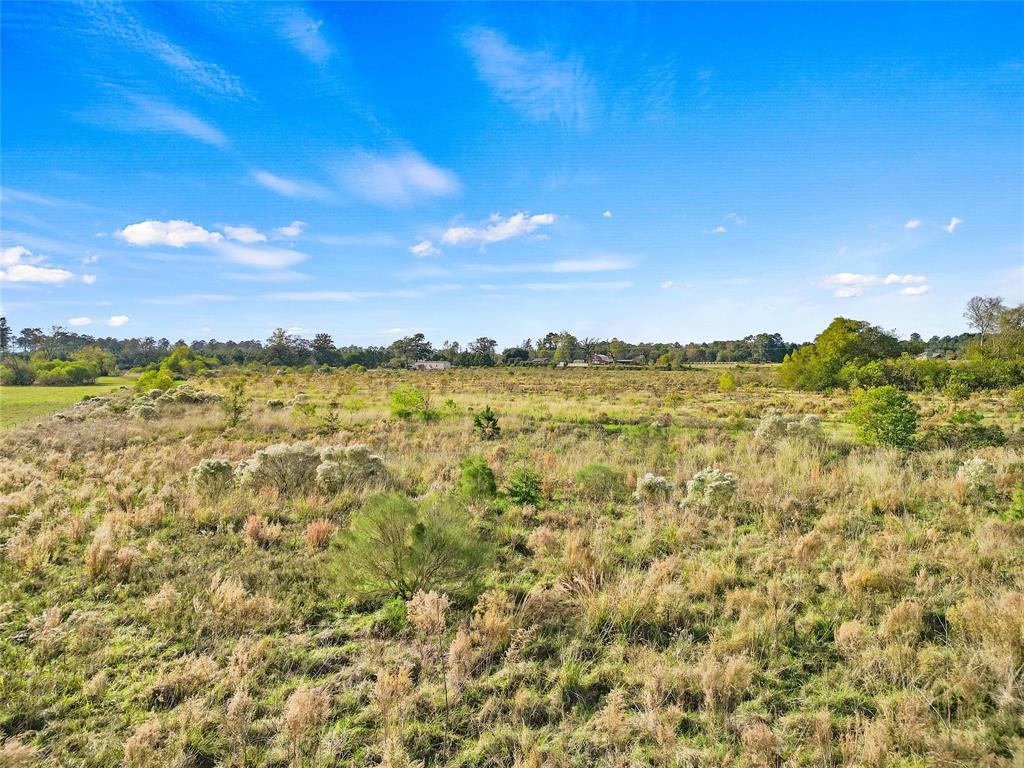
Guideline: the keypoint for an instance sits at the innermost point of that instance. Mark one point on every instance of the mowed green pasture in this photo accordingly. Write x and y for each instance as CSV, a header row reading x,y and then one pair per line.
x,y
19,405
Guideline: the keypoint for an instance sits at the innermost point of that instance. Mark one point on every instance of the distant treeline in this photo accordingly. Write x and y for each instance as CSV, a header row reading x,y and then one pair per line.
x,y
290,350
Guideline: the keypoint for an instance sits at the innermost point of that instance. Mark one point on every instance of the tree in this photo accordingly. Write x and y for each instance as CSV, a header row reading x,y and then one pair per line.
x,y
1008,341
410,349
483,346
982,314
30,339
885,416
234,403
324,351
5,336
513,355
284,348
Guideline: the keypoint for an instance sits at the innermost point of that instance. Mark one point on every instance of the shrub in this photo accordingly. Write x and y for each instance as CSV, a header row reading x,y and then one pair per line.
x,y
727,383
652,487
776,425
16,372
275,404
477,479
211,477
957,388
885,416
143,411
599,482
397,547
290,469
347,466
964,429
407,402
318,533
523,486
235,404
485,423
711,487
159,379
979,477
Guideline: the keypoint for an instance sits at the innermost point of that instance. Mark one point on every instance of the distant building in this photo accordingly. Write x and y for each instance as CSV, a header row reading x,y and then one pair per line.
x,y
601,359
431,365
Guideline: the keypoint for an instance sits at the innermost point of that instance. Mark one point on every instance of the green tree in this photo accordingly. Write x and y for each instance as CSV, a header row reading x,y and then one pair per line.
x,y
982,314
324,351
885,416
5,337
844,342
397,547
477,479
234,403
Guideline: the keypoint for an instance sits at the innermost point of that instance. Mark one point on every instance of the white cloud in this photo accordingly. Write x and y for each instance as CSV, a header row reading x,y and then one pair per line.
x,y
118,320
849,284
80,321
424,248
304,34
292,230
953,224
718,230
88,279
20,266
291,187
498,229
175,233
916,290
842,250
187,298
272,258
285,276
739,219
26,273
607,214
343,296
912,224
17,254
675,285
535,83
245,234
396,179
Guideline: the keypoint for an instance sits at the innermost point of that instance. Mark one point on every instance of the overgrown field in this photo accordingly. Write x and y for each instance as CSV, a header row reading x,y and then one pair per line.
x,y
19,405
658,575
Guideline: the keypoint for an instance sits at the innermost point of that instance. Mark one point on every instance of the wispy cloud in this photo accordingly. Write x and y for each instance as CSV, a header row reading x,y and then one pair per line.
x,y
285,276
294,188
303,33
537,84
737,218
498,229
607,214
395,179
561,266
340,296
614,285
118,23
117,320
368,240
912,224
187,298
847,285
78,322
915,290
264,258
135,113
953,224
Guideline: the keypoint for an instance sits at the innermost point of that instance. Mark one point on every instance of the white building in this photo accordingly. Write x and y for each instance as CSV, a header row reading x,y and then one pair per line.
x,y
431,365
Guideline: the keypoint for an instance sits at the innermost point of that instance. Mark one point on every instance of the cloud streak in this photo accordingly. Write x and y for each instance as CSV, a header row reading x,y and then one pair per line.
x,y
847,285
498,229
395,179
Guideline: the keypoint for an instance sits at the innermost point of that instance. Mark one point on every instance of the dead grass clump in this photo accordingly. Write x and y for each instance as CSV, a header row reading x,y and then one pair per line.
x,y
808,547
903,620
318,533
304,712
542,540
492,622
260,531
142,748
851,637
724,681
189,676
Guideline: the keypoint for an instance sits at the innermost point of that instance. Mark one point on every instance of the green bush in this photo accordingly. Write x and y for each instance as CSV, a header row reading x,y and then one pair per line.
x,y
477,479
397,547
964,429
726,383
62,373
885,416
16,372
409,402
523,486
598,482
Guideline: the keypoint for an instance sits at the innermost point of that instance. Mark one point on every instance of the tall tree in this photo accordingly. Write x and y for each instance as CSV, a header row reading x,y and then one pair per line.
x,y
5,336
982,314
324,351
483,346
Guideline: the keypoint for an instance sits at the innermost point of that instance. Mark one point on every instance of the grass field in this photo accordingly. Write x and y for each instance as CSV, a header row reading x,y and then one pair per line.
x,y
19,405
832,604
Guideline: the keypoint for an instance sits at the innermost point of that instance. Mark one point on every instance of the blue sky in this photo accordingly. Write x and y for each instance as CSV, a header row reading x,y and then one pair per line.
x,y
652,172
